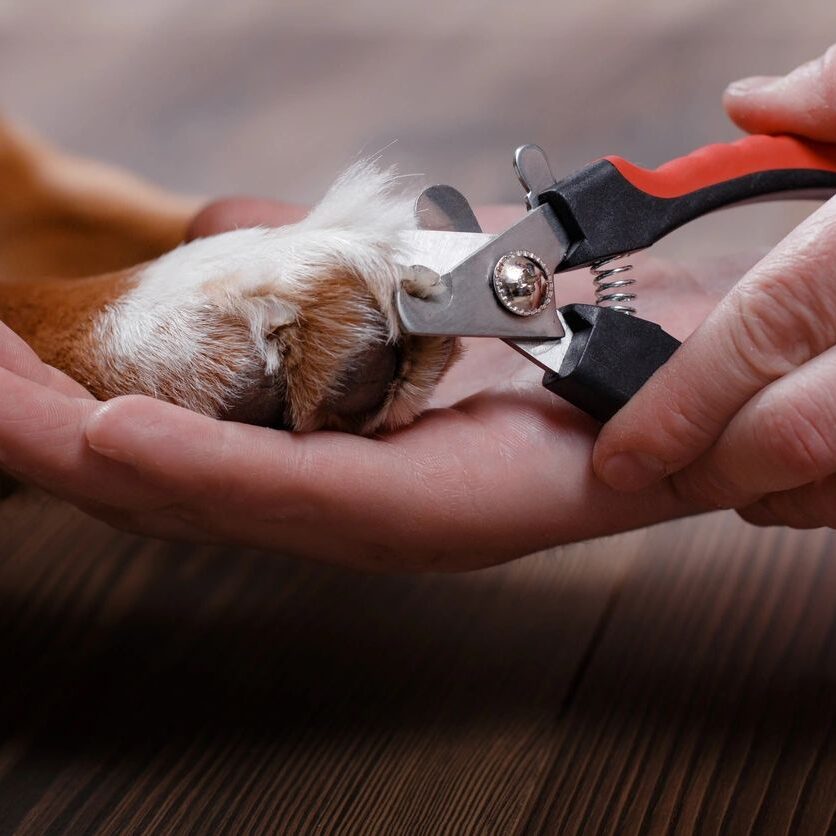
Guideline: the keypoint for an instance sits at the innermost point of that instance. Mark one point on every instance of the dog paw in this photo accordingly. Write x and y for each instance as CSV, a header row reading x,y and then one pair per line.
x,y
290,327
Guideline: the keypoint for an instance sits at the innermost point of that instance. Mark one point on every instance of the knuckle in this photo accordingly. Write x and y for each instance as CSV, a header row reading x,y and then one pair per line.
x,y
673,426
793,509
708,488
693,492
684,427
758,514
777,325
791,434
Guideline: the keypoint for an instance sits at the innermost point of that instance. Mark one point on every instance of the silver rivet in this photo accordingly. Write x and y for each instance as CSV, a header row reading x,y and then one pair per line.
x,y
521,283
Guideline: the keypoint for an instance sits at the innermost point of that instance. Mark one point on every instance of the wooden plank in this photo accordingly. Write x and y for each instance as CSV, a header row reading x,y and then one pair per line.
x,y
710,703
160,687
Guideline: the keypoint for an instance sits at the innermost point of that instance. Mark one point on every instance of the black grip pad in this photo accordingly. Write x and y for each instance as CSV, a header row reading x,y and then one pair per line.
x,y
611,356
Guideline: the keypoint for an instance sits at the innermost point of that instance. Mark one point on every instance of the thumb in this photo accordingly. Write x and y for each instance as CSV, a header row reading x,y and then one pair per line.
x,y
776,319
803,102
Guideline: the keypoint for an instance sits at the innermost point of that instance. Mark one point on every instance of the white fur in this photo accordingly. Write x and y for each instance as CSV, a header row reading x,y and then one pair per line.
x,y
169,319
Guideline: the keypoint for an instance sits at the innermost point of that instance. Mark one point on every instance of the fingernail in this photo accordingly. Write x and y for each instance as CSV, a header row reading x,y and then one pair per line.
x,y
111,453
109,441
104,446
755,84
632,472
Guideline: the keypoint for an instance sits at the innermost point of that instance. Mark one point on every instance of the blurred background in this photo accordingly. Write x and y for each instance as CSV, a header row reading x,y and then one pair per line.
x,y
275,98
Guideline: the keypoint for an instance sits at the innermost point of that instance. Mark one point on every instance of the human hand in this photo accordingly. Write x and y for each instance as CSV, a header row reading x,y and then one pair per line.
x,y
497,469
744,414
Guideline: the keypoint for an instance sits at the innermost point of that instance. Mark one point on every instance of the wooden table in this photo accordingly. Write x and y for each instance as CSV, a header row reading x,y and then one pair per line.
x,y
680,679
673,680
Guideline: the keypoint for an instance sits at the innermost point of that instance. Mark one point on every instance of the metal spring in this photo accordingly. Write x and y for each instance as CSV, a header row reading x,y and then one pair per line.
x,y
609,291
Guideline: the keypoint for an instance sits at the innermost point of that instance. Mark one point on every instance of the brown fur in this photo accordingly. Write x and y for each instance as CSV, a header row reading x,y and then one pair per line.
x,y
56,318
321,347
325,332
70,217
63,216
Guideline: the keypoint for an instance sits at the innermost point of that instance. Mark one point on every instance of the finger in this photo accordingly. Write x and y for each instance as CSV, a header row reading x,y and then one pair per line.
x,y
19,358
42,442
780,315
300,494
240,212
447,493
803,102
172,523
759,515
783,438
810,506
187,453
297,478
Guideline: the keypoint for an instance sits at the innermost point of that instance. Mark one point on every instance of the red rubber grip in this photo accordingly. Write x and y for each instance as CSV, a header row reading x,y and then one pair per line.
x,y
719,163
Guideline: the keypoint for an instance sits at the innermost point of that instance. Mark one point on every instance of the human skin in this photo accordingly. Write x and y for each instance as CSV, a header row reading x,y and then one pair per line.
x,y
744,415
497,468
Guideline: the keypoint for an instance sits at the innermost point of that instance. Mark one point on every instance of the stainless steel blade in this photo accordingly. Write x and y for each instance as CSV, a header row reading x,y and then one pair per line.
x,y
547,354
465,304
440,250
445,208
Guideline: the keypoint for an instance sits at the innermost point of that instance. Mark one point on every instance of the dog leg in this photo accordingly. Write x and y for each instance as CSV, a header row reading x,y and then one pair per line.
x,y
66,216
287,327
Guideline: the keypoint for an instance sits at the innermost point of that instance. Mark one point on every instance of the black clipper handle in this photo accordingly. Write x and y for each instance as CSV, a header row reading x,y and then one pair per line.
x,y
610,357
613,207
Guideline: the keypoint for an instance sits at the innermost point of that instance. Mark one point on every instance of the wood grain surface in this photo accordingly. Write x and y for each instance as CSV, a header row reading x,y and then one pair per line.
x,y
680,679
